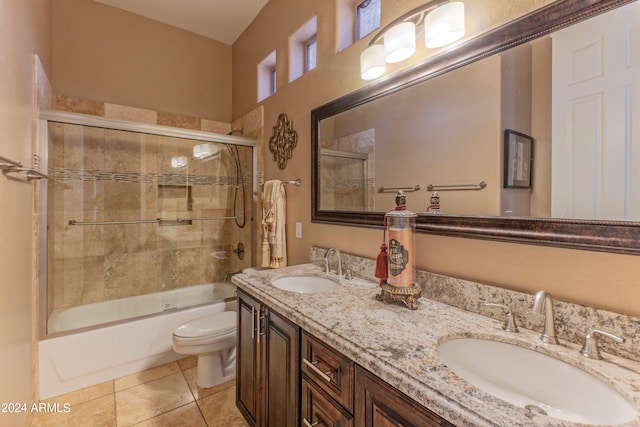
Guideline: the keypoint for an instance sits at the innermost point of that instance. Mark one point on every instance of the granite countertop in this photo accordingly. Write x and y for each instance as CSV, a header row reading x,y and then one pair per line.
x,y
399,345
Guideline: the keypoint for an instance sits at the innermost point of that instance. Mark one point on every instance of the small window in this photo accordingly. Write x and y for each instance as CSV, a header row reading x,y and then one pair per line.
x,y
267,76
303,49
368,17
272,86
310,55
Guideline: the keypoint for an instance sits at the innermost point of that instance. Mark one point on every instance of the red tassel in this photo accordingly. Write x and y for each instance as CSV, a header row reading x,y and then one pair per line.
x,y
382,267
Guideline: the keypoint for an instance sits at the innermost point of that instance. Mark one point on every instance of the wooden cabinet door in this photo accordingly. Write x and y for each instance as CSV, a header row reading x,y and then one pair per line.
x,y
281,371
248,390
378,404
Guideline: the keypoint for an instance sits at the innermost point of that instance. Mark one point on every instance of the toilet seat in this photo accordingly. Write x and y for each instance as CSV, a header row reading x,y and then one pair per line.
x,y
207,328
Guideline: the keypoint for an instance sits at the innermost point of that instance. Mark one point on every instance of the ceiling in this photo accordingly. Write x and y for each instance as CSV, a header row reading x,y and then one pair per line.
x,y
222,20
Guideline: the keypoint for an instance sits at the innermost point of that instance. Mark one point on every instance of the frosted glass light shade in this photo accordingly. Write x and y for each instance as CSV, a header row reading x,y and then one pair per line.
x,y
372,63
444,25
400,42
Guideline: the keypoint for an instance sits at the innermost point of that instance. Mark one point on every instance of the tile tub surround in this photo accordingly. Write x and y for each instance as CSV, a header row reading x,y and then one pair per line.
x,y
573,321
399,345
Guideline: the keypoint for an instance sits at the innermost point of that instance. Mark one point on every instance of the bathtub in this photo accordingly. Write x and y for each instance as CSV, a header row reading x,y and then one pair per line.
x,y
99,313
76,360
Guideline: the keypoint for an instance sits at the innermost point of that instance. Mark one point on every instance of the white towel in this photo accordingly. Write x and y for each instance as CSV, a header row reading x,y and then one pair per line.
x,y
274,221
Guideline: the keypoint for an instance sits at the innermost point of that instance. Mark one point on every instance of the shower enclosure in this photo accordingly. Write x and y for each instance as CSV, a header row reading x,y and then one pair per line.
x,y
151,217
344,180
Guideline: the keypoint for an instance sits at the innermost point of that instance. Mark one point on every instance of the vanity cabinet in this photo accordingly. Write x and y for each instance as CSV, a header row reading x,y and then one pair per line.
x,y
286,377
267,365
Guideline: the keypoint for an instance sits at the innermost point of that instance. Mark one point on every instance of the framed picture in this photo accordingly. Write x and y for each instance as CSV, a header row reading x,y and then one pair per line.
x,y
518,159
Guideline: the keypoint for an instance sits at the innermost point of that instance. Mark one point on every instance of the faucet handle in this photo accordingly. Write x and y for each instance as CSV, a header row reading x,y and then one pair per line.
x,y
590,348
510,324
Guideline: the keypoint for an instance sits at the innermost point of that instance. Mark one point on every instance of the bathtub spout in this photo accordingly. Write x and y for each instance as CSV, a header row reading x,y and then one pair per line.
x,y
228,276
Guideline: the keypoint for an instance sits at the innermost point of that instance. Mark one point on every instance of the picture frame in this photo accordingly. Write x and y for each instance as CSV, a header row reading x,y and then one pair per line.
x,y
518,159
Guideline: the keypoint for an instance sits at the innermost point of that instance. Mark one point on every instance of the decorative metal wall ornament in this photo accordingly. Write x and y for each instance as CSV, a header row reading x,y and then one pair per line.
x,y
283,141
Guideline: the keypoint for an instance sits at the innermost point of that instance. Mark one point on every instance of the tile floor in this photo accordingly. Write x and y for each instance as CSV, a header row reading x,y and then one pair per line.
x,y
165,396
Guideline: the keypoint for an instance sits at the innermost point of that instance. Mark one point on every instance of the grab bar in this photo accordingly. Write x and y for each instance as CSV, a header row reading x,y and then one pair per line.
x,y
140,221
455,187
407,189
178,221
212,218
11,166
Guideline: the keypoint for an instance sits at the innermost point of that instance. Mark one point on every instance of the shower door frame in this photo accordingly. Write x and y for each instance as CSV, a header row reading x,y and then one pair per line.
x,y
46,116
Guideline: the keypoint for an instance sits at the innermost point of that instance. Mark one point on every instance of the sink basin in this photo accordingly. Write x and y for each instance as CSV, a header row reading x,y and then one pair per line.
x,y
535,381
305,284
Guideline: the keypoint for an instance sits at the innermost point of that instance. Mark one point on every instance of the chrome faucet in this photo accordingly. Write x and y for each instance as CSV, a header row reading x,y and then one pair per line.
x,y
543,303
326,260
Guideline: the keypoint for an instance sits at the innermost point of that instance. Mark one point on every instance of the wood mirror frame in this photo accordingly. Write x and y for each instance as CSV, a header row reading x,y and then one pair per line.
x,y
605,236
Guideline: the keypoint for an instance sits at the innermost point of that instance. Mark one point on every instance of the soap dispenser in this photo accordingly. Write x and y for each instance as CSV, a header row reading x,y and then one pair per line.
x,y
401,226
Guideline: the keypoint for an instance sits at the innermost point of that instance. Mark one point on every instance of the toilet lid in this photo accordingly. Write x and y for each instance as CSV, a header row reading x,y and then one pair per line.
x,y
212,325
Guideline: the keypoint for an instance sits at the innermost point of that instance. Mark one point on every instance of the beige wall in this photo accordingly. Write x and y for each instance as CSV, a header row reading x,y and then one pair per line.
x,y
25,32
451,117
603,280
105,53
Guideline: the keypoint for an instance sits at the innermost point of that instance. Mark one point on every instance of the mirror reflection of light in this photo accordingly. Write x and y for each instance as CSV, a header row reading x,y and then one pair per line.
x,y
179,162
444,25
207,150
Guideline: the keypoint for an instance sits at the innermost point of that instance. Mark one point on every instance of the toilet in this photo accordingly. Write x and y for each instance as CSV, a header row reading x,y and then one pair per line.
x,y
213,339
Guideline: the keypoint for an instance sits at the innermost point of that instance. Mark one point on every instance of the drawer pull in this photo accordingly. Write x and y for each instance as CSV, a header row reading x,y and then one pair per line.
x,y
313,367
308,424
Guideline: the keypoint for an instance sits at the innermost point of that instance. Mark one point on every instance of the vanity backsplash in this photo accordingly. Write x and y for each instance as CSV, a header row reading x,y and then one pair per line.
x,y
573,321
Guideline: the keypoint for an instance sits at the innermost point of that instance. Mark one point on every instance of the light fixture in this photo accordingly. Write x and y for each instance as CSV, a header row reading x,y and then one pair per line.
x,y
372,64
443,25
400,42
206,150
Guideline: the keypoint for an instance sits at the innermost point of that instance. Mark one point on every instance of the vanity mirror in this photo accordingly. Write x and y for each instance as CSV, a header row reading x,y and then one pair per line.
x,y
443,122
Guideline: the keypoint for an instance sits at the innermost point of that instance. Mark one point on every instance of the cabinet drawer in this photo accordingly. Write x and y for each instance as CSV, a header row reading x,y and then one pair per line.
x,y
379,404
330,370
319,410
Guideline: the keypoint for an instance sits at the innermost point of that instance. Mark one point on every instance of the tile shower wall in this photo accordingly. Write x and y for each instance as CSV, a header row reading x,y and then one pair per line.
x,y
347,182
108,175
